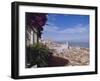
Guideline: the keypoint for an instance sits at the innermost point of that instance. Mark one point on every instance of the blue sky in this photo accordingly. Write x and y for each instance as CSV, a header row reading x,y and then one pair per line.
x,y
67,27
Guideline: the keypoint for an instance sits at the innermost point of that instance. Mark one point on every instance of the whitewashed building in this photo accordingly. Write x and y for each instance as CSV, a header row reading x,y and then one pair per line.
x,y
32,36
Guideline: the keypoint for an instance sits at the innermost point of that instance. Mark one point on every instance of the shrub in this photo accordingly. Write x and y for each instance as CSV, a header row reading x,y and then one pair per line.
x,y
37,54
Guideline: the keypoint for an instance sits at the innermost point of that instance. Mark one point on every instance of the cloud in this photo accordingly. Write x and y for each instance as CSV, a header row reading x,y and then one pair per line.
x,y
77,29
77,33
52,17
50,28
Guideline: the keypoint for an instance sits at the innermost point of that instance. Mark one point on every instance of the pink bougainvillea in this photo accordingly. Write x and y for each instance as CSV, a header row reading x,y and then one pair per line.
x,y
34,19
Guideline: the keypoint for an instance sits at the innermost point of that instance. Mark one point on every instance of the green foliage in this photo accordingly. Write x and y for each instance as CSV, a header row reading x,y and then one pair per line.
x,y
38,55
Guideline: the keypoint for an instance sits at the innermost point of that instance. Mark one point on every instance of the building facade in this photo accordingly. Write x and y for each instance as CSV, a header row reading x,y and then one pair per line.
x,y
34,27
33,32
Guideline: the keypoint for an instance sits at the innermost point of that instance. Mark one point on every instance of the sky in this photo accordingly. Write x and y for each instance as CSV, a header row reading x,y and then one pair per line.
x,y
66,27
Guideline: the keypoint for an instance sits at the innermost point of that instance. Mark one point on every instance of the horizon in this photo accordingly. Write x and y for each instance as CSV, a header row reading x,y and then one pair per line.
x,y
66,41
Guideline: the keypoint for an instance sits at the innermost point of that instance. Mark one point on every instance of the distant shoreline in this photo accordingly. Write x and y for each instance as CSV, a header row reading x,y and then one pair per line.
x,y
76,44
79,47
